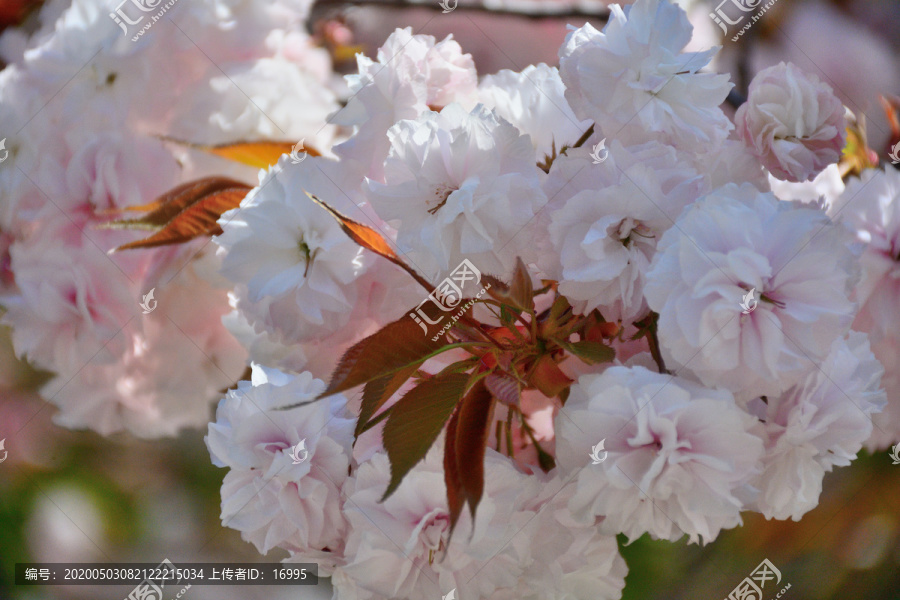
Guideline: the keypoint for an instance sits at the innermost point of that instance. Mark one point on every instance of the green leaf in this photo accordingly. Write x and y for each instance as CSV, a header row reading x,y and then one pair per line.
x,y
590,352
471,440
416,421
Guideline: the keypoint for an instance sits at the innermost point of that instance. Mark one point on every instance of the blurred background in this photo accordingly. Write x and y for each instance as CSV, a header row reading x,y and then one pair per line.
x,y
70,496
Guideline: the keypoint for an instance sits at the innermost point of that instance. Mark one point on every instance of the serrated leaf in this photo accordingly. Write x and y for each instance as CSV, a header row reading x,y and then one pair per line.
x,y
198,219
591,352
260,154
377,391
371,240
471,440
416,421
392,348
166,207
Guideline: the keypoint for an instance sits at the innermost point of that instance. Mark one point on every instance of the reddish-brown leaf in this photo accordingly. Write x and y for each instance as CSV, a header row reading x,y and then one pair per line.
x,y
377,391
394,347
200,218
504,388
371,240
416,421
471,439
455,495
548,377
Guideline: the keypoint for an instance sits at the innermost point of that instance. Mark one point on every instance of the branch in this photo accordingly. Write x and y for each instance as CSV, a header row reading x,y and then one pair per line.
x,y
540,10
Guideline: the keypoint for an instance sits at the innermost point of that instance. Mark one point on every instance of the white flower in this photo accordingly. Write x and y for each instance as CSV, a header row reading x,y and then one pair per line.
x,y
460,185
818,424
267,496
297,264
398,548
634,73
605,221
792,121
734,240
678,453
412,74
533,100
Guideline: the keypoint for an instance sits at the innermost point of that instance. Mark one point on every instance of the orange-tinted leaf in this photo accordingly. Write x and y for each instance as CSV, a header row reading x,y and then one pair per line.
x,y
548,377
163,209
259,154
200,218
471,439
416,421
371,240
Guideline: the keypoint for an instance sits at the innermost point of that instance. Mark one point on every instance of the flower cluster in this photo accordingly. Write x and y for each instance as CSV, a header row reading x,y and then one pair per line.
x,y
747,325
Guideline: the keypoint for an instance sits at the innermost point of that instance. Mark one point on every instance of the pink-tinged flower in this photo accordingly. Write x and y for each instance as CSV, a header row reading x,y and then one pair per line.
x,y
800,266
163,370
793,122
635,74
677,454
411,75
871,205
287,466
605,221
459,185
820,423
574,561
398,548
71,299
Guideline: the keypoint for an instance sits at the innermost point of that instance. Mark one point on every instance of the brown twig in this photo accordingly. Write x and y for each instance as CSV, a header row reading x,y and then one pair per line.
x,y
539,12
